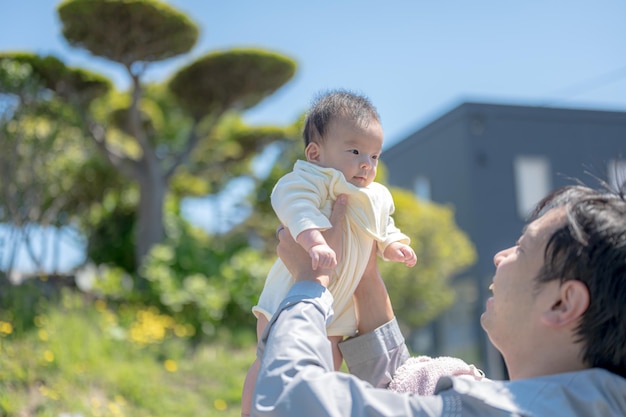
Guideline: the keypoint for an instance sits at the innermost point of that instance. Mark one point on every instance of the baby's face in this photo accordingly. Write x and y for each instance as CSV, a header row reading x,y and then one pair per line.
x,y
352,149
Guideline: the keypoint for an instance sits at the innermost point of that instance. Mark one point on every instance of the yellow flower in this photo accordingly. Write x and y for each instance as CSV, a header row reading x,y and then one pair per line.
x,y
220,404
170,365
114,409
6,327
48,356
43,335
150,327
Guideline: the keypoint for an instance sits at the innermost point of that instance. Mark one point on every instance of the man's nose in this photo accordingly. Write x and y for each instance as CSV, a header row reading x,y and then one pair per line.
x,y
498,257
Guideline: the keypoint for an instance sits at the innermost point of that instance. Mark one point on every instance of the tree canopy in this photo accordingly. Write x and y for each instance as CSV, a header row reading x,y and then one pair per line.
x,y
151,133
128,32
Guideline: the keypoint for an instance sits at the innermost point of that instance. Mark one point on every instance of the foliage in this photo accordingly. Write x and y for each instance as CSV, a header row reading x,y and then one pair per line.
x,y
33,146
128,31
111,238
86,357
227,155
237,79
419,294
77,85
205,281
44,166
261,225
21,304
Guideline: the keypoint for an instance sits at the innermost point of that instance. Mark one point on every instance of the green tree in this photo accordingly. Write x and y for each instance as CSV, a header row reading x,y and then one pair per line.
x,y
41,159
162,137
419,294
260,226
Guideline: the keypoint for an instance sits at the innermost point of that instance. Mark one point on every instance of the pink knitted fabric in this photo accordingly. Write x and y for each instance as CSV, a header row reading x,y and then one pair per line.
x,y
420,374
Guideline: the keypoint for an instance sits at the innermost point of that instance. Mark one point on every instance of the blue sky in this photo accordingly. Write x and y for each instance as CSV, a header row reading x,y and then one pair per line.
x,y
415,59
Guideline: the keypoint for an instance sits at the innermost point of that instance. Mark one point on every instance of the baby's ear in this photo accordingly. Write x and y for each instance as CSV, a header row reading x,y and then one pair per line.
x,y
312,152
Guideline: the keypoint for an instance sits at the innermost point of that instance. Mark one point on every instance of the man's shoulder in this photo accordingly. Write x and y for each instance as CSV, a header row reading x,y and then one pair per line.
x,y
494,394
580,393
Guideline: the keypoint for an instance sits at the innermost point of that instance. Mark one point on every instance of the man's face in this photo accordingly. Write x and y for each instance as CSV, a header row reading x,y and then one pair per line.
x,y
352,149
512,314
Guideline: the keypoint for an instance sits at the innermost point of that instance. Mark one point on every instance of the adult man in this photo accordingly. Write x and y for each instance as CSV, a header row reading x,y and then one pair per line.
x,y
557,316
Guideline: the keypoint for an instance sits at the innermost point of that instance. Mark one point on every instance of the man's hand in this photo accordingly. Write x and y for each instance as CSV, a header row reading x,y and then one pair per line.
x,y
295,258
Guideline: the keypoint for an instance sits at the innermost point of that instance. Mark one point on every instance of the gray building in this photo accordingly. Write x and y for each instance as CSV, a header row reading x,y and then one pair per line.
x,y
492,163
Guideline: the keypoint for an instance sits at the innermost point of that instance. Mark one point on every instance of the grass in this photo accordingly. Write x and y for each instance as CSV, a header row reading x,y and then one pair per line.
x,y
90,359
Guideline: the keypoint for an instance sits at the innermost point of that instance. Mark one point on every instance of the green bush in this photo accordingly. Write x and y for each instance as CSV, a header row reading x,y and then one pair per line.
x,y
85,356
206,281
22,303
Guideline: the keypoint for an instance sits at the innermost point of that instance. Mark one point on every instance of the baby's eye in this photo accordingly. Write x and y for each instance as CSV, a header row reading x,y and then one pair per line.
x,y
354,151
375,156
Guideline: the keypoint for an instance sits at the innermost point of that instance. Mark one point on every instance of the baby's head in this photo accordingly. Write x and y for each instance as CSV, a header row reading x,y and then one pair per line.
x,y
342,130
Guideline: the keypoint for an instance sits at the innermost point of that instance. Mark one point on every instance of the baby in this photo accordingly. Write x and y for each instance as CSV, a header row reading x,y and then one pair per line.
x,y
343,141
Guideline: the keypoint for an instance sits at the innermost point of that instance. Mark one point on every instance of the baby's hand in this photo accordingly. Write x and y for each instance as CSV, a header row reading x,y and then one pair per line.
x,y
322,256
399,252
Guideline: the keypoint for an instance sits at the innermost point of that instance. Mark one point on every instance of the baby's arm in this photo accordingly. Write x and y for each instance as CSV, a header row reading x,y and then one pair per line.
x,y
321,254
399,252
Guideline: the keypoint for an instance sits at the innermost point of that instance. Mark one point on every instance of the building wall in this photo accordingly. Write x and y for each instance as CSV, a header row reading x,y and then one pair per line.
x,y
438,152
572,141
469,154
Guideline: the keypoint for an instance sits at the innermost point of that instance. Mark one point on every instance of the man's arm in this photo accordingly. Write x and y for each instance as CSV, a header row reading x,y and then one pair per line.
x,y
296,376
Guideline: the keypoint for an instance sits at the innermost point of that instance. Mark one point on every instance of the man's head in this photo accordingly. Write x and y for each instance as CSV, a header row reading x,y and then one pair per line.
x,y
343,131
560,292
591,248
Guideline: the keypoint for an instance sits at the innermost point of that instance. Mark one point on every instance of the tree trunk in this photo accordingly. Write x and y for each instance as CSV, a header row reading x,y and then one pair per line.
x,y
149,227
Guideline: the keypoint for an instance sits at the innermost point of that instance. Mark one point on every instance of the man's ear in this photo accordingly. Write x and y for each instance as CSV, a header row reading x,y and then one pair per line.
x,y
570,302
312,152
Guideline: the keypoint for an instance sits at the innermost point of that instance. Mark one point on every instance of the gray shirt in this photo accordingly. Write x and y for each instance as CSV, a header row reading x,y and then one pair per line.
x,y
296,377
